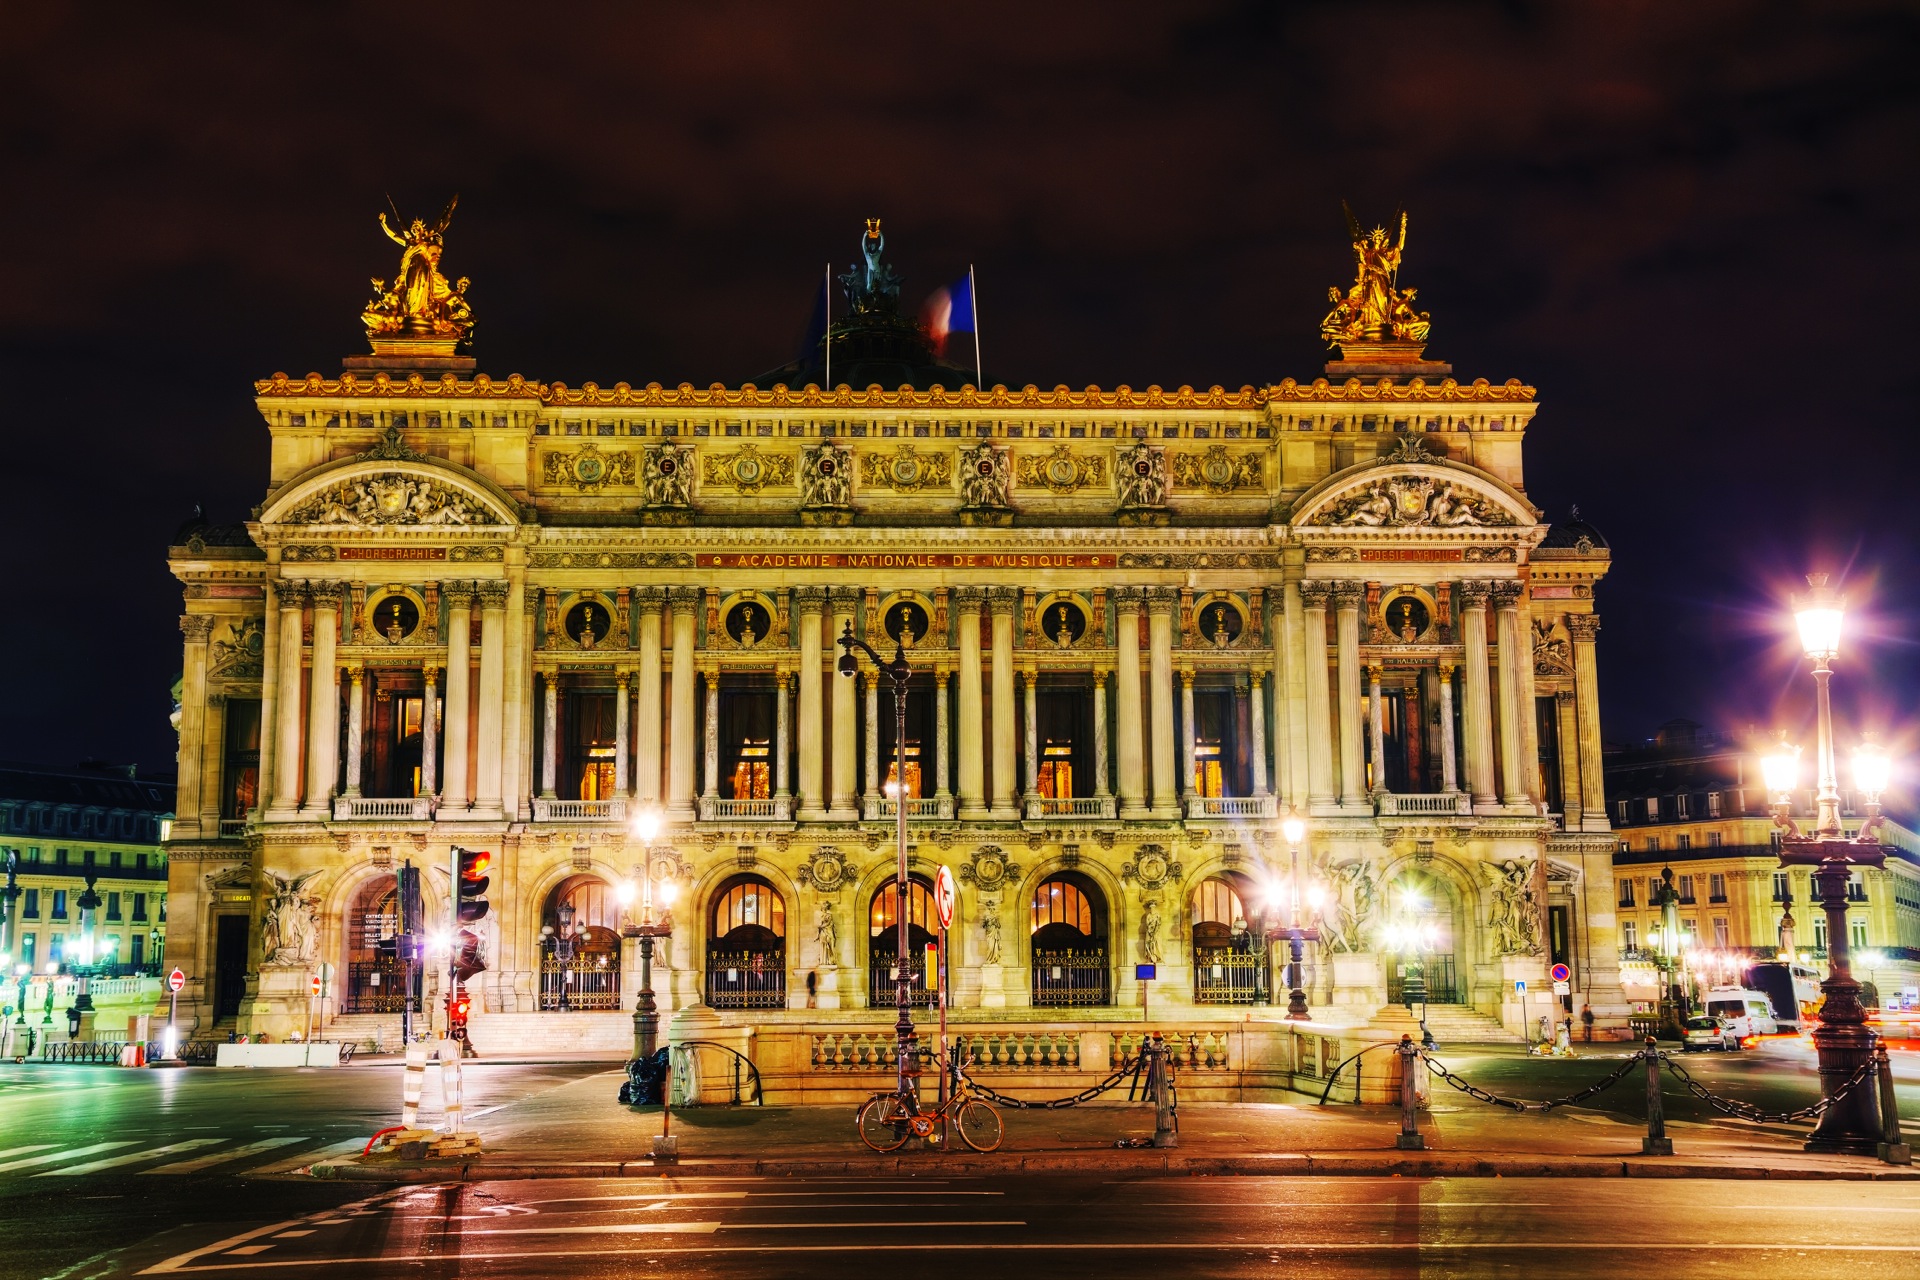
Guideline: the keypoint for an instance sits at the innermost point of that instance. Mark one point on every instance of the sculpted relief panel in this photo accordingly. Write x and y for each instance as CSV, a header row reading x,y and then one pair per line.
x,y
371,500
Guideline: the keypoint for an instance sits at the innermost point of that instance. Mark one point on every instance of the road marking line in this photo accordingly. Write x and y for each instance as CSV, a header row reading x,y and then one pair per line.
x,y
251,1248
221,1157
132,1157
69,1154
309,1157
181,1261
614,1228
38,1146
289,1235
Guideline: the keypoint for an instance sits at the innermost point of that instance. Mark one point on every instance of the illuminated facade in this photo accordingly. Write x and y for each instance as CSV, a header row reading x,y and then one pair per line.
x,y
1145,625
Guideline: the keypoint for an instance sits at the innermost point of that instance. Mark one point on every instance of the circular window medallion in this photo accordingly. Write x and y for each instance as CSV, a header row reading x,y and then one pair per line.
x,y
587,623
1220,623
1406,618
748,623
1063,623
907,623
394,618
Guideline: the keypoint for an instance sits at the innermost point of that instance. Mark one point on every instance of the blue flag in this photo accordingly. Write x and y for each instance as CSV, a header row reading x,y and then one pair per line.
x,y
950,311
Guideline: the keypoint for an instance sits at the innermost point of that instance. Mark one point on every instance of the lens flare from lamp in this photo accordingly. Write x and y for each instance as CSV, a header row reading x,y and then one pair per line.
x,y
1818,617
1316,897
1292,828
1780,768
646,823
1871,768
626,892
668,892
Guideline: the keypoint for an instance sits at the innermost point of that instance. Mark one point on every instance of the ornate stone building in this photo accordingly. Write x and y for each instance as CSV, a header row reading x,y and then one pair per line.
x,y
1144,625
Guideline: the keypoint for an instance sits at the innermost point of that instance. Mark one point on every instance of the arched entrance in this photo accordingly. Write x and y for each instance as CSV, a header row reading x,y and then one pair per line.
x,y
883,937
580,946
375,983
1068,936
747,946
1229,942
1419,936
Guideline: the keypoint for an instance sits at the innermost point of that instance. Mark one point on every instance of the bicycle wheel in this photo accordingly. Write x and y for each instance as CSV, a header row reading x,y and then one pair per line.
x,y
980,1126
882,1124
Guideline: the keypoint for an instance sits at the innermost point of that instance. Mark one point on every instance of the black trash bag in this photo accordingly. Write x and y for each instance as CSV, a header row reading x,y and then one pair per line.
x,y
646,1081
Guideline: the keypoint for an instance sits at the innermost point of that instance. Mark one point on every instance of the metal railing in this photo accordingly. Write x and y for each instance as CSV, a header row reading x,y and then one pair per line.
x,y
775,809
1230,806
231,828
364,995
1071,807
1071,978
1389,803
579,810
1224,976
747,979
383,808
918,807
880,980
1437,972
577,989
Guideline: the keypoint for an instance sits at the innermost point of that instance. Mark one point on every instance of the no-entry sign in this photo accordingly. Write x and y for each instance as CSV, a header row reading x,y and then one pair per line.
x,y
176,980
943,895
1561,973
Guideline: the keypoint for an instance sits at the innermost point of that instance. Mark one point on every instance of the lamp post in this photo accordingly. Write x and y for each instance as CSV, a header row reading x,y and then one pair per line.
x,y
1843,1041
9,899
21,1031
564,943
646,1014
1408,934
897,673
88,902
1667,944
1293,829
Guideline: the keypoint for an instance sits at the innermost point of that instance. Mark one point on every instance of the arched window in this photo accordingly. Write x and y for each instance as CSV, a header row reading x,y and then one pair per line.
x,y
1229,954
580,946
748,902
747,946
1217,901
374,984
1068,931
884,914
1060,901
883,942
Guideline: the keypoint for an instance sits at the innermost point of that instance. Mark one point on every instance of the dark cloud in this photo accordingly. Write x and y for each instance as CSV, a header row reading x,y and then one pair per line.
x,y
1691,226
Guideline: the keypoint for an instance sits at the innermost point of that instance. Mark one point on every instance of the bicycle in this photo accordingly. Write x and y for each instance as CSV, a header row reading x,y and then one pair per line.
x,y
887,1120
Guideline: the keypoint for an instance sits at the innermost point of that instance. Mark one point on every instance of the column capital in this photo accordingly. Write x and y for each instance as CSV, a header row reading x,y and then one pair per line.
x,y
1003,599
356,672
326,595
1314,593
969,597
196,627
1128,599
1186,678
459,594
810,599
843,599
1100,675
650,599
623,678
292,592
429,674
1474,593
493,595
530,601
1348,595
685,599
1162,599
1507,593
1582,627
1445,666
1563,698
1374,672
550,676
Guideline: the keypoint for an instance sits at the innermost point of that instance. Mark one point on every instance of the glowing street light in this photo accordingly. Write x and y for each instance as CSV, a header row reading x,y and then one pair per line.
x,y
645,825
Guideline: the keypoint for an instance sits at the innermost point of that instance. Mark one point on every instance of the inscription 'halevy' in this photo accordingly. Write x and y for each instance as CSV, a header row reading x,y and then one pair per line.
x,y
906,560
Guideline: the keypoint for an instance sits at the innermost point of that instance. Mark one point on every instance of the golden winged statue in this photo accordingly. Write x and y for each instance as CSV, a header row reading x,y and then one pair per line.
x,y
1375,309
421,304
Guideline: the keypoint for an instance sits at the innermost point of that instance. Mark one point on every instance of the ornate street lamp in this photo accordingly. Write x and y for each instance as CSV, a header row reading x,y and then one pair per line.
x,y
646,1014
897,672
564,943
1294,830
1410,935
1843,1041
1669,943
88,902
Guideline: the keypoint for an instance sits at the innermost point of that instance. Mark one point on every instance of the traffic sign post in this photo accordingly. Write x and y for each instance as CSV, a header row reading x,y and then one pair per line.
x,y
944,895
175,981
1520,989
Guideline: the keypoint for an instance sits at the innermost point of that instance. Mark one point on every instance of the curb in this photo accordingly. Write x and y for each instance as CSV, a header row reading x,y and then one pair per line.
x,y
1358,1164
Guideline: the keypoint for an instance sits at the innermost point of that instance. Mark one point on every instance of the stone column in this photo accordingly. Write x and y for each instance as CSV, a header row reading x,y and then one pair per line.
x,y
1162,601
549,733
973,767
1528,718
942,732
710,772
622,733
810,603
782,733
269,703
1566,759
1586,691
1449,775
1377,729
843,806
453,786
1102,786
429,729
1130,720
875,793
1188,742
1031,797
356,724
191,779
651,731
1347,598
1002,601
683,600
516,692
1513,738
323,702
490,740
1478,712
1320,735
1258,711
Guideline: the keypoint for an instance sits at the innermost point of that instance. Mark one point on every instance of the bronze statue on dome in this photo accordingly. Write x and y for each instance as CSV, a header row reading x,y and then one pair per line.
x,y
1375,309
421,304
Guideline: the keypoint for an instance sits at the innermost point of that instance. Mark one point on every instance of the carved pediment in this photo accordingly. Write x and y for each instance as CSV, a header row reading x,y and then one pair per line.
x,y
1412,489
377,494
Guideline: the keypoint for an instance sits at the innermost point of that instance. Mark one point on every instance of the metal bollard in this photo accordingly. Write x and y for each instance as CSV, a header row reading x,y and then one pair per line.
x,y
1892,1148
1409,1138
1160,1076
1656,1143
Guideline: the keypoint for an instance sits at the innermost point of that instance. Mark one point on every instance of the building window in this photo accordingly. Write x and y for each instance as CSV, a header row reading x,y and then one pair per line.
x,y
1714,839
1856,888
1653,844
746,740
1686,889
60,902
1819,934
140,906
240,774
1713,804
136,951
1691,930
31,909
1626,893
1720,934
592,744
1212,736
1683,841
1857,932
1782,889
1653,808
1620,807
1717,887
1056,770
1680,806
88,857
59,857
139,862
26,950
113,905
113,860
1629,935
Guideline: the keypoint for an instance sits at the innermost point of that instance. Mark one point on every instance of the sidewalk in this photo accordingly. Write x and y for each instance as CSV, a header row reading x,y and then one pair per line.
x,y
579,1130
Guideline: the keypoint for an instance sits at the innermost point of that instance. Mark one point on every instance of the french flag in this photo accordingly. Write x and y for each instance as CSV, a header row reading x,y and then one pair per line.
x,y
949,311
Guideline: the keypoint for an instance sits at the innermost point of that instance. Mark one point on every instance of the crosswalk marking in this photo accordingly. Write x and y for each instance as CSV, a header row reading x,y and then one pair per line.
x,y
132,1157
197,1163
69,1154
14,1151
308,1157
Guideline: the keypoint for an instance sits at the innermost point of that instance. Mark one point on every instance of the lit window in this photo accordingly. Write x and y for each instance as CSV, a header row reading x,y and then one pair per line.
x,y
1206,767
753,770
1056,770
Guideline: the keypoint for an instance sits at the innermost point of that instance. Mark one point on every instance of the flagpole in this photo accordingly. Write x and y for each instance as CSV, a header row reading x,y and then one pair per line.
x,y
973,292
827,340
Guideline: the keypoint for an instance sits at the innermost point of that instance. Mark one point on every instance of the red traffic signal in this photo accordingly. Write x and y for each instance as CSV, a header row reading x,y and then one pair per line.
x,y
470,886
466,955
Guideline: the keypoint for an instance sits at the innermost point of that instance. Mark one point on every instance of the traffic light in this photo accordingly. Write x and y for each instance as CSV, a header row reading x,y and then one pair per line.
x,y
470,886
466,955
459,1007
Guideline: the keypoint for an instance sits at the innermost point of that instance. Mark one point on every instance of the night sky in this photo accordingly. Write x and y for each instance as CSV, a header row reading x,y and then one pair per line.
x,y
1691,226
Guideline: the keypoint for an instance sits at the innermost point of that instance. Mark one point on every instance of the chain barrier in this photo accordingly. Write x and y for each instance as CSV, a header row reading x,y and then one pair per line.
x,y
1747,1111
1514,1104
1127,1070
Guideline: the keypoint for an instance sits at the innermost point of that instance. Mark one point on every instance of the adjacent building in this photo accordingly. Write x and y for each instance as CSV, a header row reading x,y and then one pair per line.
x,y
1144,626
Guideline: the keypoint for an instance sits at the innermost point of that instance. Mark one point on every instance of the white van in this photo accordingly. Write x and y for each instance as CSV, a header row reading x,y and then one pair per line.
x,y
1744,1012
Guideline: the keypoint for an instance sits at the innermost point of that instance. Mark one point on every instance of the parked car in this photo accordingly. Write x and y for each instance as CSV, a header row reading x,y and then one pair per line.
x,y
1749,1012
1709,1032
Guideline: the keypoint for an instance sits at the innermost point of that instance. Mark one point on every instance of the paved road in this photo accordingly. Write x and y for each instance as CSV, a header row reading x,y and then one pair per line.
x,y
1156,1227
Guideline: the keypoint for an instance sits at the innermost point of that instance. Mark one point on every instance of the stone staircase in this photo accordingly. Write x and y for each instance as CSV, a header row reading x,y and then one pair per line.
x,y
1457,1024
366,1031
608,1035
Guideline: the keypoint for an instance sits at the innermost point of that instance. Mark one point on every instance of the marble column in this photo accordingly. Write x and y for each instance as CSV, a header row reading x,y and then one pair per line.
x,y
1030,798
1583,627
1321,738
782,734
1347,600
1377,729
1258,713
323,702
1102,784
1567,732
489,738
213,755
622,732
1002,602
942,734
843,804
269,704
429,729
810,604
651,731
549,733
682,729
1161,603
1528,717
1188,741
191,777
710,765
1477,714
874,793
516,685
453,784
356,724
1449,771
1130,721
1513,738
973,766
